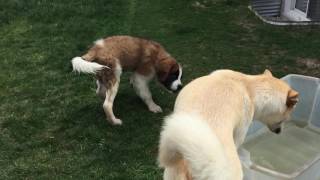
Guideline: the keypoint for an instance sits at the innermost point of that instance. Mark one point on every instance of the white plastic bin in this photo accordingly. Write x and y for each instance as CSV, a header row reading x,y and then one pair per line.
x,y
295,153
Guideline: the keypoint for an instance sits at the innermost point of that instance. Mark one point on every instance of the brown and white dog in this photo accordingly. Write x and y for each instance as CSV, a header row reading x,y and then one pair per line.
x,y
211,116
108,57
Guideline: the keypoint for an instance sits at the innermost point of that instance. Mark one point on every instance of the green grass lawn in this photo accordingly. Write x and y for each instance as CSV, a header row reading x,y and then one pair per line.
x,y
52,125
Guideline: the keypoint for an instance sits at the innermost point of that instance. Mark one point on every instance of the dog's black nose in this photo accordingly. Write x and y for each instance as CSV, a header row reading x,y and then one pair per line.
x,y
179,87
277,130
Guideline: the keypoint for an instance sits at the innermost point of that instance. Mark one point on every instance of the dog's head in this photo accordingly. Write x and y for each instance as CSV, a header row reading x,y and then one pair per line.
x,y
276,102
169,74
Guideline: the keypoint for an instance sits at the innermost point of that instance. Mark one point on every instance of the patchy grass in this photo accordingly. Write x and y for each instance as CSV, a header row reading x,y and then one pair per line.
x,y
52,125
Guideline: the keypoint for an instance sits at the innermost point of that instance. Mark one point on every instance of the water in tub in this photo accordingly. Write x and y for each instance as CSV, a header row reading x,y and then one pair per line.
x,y
290,152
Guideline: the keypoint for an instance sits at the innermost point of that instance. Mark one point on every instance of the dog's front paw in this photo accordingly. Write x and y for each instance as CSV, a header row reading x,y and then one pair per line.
x,y
155,108
116,121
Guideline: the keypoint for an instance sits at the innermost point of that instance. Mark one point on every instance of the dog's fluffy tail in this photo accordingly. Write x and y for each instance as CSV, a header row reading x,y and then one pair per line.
x,y
81,65
190,138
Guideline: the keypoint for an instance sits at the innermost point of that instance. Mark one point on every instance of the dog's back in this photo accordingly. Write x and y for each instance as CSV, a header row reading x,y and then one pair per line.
x,y
129,51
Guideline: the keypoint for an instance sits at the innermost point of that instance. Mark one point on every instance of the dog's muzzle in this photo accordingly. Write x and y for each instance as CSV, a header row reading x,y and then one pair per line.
x,y
176,86
275,128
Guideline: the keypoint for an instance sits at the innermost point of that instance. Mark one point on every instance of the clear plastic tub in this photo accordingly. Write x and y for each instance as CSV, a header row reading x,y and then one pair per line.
x,y
295,153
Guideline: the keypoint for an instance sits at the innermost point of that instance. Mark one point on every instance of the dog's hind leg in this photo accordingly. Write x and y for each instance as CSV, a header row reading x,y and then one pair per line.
x,y
108,104
101,89
112,81
140,84
178,171
171,173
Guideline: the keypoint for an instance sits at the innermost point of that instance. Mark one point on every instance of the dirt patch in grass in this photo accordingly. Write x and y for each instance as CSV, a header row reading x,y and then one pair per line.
x,y
203,4
308,66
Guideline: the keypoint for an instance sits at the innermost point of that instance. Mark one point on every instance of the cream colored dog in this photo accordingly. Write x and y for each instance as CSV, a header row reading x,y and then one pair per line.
x,y
211,116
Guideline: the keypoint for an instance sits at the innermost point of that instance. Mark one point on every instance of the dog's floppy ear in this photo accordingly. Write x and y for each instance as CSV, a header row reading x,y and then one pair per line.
x,y
162,75
292,98
163,68
267,72
167,69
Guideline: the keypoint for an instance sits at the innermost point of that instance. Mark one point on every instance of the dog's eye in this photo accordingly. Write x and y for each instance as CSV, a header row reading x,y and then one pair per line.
x,y
172,77
175,74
